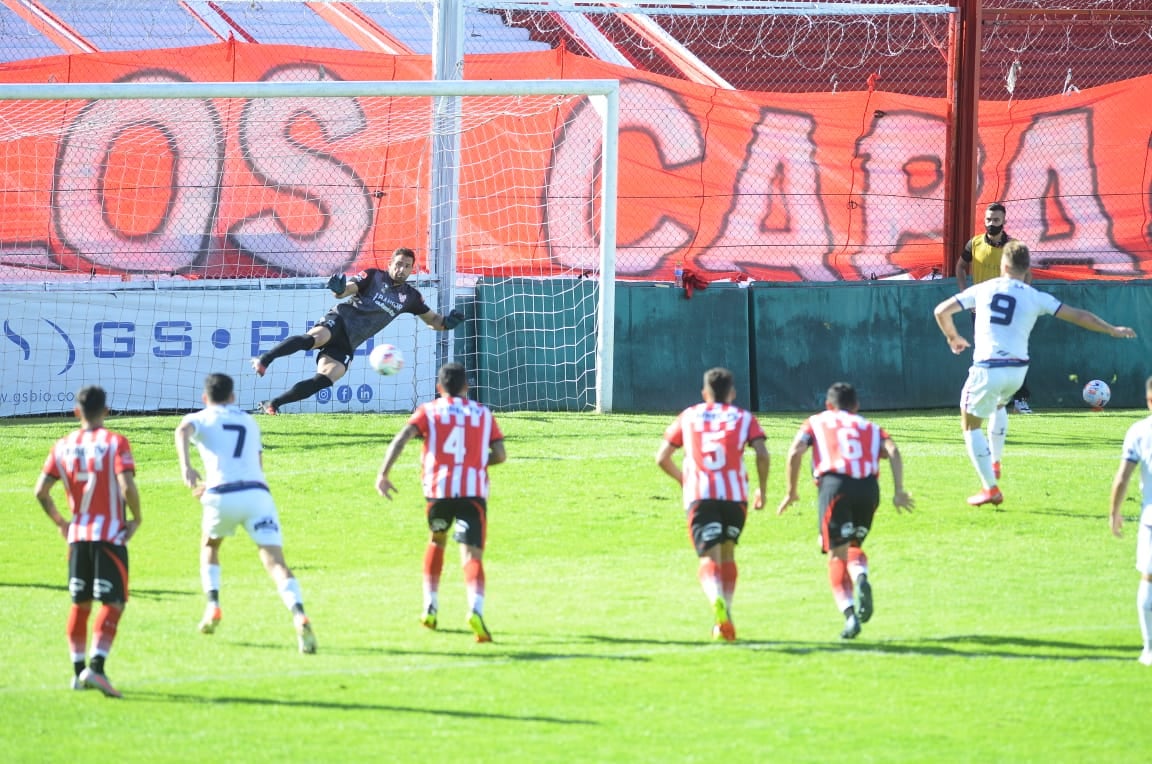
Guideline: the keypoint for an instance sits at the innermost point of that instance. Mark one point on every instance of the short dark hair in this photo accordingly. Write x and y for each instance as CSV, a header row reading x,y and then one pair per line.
x,y
719,380
92,400
404,252
452,378
218,387
1017,254
841,395
997,207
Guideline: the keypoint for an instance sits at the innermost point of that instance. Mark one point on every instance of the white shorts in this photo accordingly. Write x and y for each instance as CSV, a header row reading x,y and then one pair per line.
x,y
253,508
1144,542
986,390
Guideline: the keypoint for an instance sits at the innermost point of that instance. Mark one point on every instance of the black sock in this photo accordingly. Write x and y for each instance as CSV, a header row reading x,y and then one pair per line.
x,y
98,664
289,346
214,597
78,666
302,390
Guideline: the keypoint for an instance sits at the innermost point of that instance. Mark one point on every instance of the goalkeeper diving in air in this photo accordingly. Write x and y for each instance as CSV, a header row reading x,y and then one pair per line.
x,y
377,298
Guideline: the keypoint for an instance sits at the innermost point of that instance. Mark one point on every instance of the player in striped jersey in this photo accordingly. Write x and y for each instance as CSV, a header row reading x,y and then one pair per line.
x,y
98,471
461,439
714,485
1006,311
234,493
1138,453
846,454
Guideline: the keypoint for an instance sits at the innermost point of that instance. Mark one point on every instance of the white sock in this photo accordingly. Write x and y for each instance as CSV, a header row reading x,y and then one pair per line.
x,y
210,578
997,432
290,593
431,600
980,455
855,568
1144,605
476,603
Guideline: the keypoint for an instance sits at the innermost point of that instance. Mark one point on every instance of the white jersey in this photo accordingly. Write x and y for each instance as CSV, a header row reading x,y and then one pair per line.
x,y
1006,311
1138,449
229,443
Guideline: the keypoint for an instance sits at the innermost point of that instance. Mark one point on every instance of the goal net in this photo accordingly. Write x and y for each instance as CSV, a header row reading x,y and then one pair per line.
x,y
154,232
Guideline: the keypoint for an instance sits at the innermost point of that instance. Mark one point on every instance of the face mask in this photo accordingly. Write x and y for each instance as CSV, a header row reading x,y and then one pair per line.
x,y
993,230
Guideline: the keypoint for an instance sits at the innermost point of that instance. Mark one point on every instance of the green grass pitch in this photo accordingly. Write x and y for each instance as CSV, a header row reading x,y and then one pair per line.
x,y
1003,634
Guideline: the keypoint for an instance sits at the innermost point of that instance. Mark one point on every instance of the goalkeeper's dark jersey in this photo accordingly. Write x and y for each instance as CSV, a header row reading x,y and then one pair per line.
x,y
378,300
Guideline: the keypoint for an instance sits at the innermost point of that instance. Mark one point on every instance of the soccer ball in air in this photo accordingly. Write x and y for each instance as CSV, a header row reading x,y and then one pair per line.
x,y
386,359
1097,394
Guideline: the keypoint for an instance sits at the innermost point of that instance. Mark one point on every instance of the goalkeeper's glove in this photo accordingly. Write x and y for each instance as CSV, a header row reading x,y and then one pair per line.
x,y
338,283
453,319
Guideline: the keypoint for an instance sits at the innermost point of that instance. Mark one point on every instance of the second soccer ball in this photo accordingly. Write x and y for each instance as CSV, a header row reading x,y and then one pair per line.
x,y
386,359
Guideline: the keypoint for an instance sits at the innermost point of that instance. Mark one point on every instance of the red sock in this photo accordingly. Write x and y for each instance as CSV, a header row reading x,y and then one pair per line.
x,y
433,565
840,580
107,619
728,578
474,577
709,575
856,556
78,628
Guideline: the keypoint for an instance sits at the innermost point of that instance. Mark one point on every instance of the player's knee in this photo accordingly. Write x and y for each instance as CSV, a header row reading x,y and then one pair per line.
x,y
322,381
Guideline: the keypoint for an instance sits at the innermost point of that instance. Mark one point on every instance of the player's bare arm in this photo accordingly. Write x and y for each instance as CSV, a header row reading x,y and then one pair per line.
x,y
1119,494
901,499
384,485
944,313
792,476
962,269
127,481
442,323
664,461
763,463
44,496
187,472
496,452
1090,321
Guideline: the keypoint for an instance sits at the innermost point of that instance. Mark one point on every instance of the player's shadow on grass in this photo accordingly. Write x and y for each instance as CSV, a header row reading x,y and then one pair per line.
x,y
136,593
227,700
964,646
495,651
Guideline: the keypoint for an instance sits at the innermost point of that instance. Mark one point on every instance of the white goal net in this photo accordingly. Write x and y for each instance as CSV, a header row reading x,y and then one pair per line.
x,y
154,232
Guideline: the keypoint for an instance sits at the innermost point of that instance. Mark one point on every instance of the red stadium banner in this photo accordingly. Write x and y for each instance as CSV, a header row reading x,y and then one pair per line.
x,y
769,186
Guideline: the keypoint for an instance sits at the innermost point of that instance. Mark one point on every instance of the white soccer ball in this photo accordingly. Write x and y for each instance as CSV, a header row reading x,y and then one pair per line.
x,y
386,359
1097,394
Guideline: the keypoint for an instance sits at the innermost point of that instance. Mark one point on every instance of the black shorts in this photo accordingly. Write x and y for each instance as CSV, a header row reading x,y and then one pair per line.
x,y
712,521
339,349
470,515
98,570
847,506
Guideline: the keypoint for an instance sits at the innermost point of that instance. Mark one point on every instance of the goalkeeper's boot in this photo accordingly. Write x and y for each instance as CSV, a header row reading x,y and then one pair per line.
x,y
98,681
987,496
269,408
428,620
476,623
864,589
211,619
304,634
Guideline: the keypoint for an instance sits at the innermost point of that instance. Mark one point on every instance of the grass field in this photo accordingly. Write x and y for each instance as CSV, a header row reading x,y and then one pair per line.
x,y
1000,635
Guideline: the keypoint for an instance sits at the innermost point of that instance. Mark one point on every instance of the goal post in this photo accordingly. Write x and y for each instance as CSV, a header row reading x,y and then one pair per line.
x,y
154,231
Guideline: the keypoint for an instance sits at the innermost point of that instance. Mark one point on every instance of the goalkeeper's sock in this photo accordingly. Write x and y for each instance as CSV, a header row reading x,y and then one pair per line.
x,y
302,390
289,346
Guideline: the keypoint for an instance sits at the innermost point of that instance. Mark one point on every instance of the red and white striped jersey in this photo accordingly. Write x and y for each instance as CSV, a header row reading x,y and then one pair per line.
x,y
843,443
713,436
87,462
457,435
